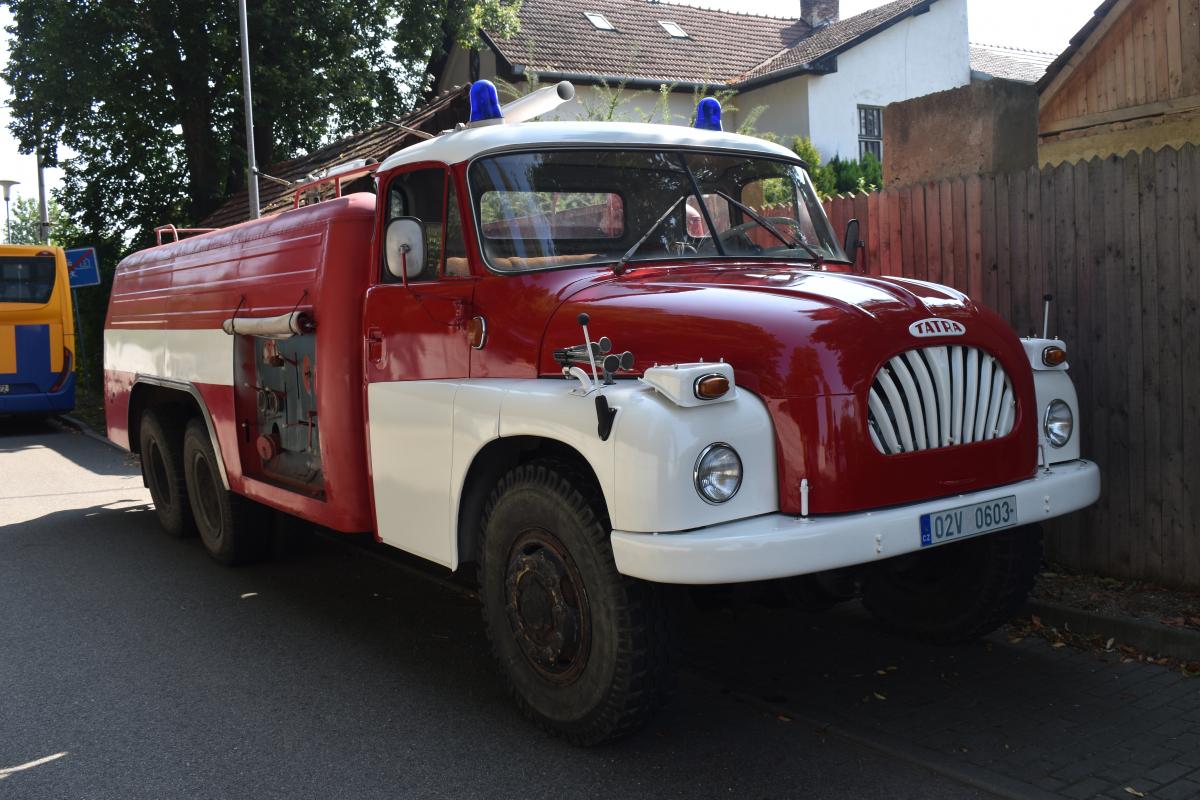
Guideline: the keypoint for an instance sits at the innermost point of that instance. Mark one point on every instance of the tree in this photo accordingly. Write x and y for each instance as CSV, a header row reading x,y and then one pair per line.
x,y
148,92
26,224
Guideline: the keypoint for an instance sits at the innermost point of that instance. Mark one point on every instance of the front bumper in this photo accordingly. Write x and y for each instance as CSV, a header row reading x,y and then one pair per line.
x,y
780,546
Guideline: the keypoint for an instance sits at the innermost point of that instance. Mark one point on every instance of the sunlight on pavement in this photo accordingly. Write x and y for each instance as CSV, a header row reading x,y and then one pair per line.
x,y
6,771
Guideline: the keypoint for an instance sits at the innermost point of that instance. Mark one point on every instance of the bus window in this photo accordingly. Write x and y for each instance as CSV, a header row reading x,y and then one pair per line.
x,y
26,279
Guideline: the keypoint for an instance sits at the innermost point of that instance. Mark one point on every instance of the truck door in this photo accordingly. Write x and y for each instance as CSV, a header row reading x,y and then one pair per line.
x,y
416,352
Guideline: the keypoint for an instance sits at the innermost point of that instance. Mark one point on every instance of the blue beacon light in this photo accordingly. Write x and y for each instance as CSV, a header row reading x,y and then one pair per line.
x,y
485,104
708,114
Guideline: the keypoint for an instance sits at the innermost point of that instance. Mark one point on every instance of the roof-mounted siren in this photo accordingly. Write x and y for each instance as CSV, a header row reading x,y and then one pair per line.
x,y
486,109
708,114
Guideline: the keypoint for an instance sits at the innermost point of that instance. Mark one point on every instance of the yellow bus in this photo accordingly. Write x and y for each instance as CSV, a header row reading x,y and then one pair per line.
x,y
37,331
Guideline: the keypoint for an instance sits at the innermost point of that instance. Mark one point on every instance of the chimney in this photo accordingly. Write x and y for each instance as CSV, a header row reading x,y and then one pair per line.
x,y
819,12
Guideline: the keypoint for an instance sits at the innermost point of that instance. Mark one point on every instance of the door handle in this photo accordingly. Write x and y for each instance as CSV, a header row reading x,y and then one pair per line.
x,y
374,345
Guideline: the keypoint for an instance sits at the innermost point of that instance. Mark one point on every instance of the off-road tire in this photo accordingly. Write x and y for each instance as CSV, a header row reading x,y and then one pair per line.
x,y
957,592
233,529
160,440
626,671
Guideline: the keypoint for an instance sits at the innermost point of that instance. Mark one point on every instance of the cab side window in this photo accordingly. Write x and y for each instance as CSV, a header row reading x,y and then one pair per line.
x,y
421,194
456,243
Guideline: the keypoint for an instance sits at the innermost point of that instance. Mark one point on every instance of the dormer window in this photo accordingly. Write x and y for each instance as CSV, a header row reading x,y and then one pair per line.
x,y
599,21
674,30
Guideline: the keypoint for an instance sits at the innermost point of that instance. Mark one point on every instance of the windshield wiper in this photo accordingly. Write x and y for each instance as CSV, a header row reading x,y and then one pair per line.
x,y
619,266
798,242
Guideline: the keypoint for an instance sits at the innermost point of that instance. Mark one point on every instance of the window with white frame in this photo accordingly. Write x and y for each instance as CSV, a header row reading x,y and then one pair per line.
x,y
599,21
870,131
674,29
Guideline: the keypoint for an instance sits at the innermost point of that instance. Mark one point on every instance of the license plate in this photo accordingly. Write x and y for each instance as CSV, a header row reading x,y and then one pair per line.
x,y
966,521
3,388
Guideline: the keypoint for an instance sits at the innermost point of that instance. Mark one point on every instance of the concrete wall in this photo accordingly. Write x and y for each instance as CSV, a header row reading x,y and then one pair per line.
x,y
915,57
983,128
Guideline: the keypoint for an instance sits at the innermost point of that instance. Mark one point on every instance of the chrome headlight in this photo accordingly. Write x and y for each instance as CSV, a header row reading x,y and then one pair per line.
x,y
718,473
1059,423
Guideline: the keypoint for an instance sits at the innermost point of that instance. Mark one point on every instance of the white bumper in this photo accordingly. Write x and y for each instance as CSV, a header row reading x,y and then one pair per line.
x,y
780,546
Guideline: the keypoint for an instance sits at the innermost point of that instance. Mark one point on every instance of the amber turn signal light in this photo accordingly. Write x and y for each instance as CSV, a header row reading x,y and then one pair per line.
x,y
710,387
1054,356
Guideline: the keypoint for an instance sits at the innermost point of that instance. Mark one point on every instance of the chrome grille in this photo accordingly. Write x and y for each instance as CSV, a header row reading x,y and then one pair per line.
x,y
933,397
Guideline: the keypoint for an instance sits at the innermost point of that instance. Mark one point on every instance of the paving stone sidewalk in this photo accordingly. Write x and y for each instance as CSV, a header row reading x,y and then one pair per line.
x,y
1019,718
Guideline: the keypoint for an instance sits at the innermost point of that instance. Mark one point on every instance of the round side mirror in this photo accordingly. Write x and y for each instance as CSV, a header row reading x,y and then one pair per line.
x,y
404,247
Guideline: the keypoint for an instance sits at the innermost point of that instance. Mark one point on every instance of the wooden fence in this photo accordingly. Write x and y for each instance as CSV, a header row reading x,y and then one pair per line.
x,y
1117,242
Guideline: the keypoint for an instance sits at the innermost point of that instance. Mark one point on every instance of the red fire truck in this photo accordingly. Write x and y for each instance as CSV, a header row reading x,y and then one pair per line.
x,y
593,360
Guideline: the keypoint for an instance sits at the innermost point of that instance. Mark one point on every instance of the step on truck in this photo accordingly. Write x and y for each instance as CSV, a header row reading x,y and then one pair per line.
x,y
593,362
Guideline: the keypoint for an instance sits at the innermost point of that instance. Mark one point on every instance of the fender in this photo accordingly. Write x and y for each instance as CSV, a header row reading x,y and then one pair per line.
x,y
655,442
190,389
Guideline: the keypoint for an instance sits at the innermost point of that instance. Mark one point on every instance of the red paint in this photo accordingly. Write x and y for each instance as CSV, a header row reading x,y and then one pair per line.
x,y
809,343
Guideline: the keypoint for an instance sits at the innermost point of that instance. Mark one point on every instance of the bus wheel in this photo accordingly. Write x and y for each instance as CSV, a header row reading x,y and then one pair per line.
x,y
586,651
163,474
956,592
234,529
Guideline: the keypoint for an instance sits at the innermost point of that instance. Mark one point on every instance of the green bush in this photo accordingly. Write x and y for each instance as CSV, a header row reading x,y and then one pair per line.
x,y
839,175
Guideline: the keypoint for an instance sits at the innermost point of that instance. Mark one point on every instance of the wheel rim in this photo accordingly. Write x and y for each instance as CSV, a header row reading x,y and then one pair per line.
x,y
206,495
159,485
547,606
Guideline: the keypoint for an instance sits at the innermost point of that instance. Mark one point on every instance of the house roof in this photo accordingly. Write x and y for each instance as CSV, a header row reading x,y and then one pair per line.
x,y
1077,41
378,143
1010,63
836,37
722,47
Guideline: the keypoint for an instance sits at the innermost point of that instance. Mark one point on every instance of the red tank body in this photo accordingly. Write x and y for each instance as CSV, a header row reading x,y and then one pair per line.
x,y
314,259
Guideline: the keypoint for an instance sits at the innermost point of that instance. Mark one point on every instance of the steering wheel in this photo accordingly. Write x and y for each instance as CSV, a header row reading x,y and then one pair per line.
x,y
740,233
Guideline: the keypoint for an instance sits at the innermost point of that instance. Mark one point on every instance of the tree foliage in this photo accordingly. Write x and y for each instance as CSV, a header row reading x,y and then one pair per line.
x,y
839,175
25,225
148,92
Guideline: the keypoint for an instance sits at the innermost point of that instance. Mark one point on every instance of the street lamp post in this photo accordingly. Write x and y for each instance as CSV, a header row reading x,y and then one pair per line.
x,y
7,214
251,163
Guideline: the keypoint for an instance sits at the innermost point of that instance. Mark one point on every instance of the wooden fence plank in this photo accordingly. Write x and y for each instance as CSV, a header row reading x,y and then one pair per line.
x,y
895,264
1189,366
1150,559
1032,268
1018,197
862,213
935,227
886,198
974,240
946,201
906,226
919,233
958,203
1166,368
991,269
1127,290
874,235
1093,370
1113,356
1004,247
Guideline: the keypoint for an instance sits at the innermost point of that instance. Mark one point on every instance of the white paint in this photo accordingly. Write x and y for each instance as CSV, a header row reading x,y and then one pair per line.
x,y
462,145
778,546
1034,349
1056,385
677,382
915,57
424,436
411,433
192,356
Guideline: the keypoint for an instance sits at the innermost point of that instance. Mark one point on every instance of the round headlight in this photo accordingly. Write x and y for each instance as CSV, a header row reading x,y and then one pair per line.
x,y
1059,424
718,473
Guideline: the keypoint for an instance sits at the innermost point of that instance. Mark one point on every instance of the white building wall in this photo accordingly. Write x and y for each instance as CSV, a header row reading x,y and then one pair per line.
x,y
785,109
916,57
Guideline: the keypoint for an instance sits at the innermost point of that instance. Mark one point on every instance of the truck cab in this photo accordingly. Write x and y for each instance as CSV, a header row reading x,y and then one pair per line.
x,y
596,361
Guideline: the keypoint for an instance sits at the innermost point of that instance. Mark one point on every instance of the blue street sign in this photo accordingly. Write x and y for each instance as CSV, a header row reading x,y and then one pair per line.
x,y
83,267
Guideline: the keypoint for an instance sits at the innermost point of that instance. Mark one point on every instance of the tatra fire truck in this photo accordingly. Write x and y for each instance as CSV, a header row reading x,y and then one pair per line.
x,y
591,361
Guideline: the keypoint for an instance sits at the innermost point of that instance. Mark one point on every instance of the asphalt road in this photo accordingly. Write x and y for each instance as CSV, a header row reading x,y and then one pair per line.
x,y
152,672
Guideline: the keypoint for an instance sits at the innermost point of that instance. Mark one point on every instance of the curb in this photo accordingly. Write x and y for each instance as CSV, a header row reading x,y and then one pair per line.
x,y
1152,637
76,424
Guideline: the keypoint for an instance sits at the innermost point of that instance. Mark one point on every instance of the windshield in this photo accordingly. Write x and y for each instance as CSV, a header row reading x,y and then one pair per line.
x,y
561,208
26,279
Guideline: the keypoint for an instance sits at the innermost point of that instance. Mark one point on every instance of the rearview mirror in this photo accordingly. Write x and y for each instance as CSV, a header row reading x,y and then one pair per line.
x,y
404,247
852,244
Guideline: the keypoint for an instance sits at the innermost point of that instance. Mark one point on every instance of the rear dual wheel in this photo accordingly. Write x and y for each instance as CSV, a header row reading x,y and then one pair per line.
x,y
234,530
160,441
586,651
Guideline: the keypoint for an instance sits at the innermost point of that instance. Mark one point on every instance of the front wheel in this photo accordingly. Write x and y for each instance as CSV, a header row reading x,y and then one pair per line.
x,y
586,651
234,530
956,592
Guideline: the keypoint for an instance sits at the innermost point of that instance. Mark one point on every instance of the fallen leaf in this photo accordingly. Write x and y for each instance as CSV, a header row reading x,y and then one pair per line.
x,y
1134,792
892,669
249,594
1036,620
783,718
1016,640
1056,645
1194,621
879,696
1109,644
881,672
1176,621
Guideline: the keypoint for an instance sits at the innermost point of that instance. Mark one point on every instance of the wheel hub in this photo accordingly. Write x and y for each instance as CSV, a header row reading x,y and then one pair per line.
x,y
546,607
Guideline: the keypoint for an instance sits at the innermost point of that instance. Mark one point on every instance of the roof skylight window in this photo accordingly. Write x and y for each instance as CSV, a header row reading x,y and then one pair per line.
x,y
599,21
674,29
